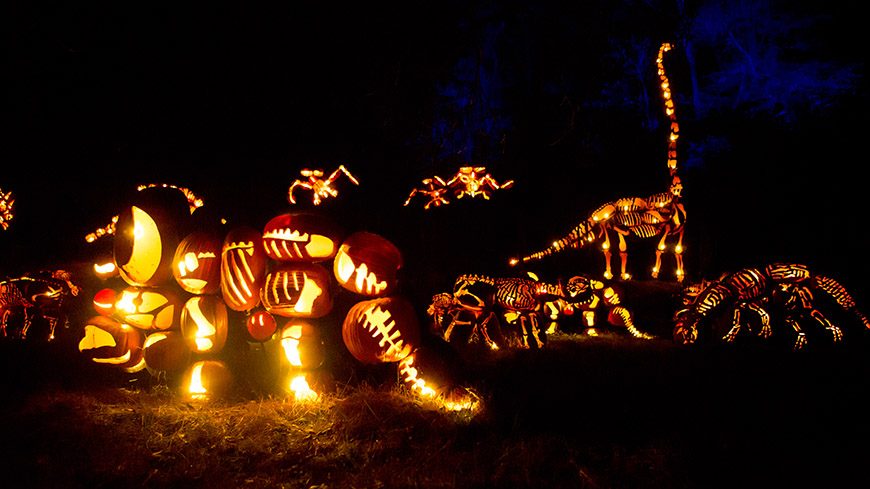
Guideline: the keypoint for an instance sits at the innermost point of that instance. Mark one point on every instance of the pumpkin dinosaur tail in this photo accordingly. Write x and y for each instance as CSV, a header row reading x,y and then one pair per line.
x,y
578,237
841,296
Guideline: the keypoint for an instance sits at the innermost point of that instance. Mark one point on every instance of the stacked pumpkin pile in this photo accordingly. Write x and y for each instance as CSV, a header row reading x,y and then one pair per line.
x,y
185,289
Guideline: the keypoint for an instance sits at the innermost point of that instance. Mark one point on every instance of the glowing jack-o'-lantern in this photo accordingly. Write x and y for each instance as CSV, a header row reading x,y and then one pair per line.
x,y
261,325
367,264
243,268
109,342
381,330
148,308
196,265
204,324
207,380
146,236
302,344
166,351
301,236
431,373
104,302
104,265
297,290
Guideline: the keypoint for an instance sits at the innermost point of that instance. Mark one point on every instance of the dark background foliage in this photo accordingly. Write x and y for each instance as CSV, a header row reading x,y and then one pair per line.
x,y
231,100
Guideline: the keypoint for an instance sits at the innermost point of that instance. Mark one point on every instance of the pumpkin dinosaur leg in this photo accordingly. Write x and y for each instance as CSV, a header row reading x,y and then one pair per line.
x,y
605,248
801,339
623,257
835,331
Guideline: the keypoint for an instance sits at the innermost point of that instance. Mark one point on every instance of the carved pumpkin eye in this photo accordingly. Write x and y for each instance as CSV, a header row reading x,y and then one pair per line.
x,y
147,234
243,268
302,344
207,380
196,264
148,308
297,290
204,324
381,330
109,342
367,264
301,236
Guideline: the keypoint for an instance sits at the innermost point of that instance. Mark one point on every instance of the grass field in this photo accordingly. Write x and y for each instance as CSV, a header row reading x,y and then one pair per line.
x,y
604,412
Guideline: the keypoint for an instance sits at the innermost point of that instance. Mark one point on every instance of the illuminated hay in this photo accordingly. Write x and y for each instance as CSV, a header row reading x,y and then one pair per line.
x,y
319,187
659,216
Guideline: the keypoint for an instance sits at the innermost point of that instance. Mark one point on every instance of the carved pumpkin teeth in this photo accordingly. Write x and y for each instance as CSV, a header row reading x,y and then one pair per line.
x,y
287,235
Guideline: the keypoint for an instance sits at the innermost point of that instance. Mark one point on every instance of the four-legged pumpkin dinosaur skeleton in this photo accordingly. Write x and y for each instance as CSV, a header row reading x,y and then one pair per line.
x,y
659,216
479,303
787,289
42,294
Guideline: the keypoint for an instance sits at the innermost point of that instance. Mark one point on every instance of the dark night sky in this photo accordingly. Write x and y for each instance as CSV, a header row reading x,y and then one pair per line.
x,y
233,100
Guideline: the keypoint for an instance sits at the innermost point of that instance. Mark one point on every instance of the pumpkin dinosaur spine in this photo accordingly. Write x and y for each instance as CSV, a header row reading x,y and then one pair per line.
x,y
631,211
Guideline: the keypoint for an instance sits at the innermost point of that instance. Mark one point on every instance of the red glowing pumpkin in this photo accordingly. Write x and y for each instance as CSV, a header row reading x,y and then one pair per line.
x,y
196,265
367,264
261,325
381,330
301,236
297,290
243,268
104,302
204,324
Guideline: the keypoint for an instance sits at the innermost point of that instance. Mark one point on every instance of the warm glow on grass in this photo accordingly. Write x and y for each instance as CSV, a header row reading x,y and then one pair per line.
x,y
302,392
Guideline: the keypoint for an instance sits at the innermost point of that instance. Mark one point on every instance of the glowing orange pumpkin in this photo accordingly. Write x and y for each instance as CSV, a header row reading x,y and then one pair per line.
x,y
243,268
166,351
207,380
196,265
297,290
301,236
204,324
381,330
302,344
147,234
367,264
109,342
148,308
261,325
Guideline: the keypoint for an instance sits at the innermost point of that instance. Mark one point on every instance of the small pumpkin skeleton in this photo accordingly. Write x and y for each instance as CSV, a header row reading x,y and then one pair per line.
x,y
297,290
382,330
368,264
301,236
